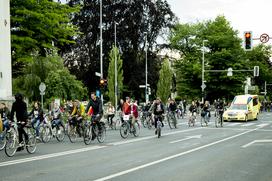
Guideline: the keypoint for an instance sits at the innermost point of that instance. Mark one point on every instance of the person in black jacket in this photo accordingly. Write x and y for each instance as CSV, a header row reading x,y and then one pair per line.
x,y
19,107
158,111
37,117
96,104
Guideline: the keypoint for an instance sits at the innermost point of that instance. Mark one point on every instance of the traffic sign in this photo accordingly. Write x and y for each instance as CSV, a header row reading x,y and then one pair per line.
x,y
42,87
97,74
203,86
264,38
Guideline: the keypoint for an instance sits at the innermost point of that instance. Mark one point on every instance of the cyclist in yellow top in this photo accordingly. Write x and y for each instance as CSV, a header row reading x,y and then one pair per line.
x,y
76,117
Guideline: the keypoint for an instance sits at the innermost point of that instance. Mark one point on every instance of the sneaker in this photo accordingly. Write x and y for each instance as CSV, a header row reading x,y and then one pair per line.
x,y
20,148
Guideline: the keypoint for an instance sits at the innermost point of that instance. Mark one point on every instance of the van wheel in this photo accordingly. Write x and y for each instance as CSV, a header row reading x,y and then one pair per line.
x,y
257,116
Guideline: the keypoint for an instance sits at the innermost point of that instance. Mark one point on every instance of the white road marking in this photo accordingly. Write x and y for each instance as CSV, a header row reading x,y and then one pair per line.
x,y
24,160
262,125
187,138
256,141
149,137
171,157
248,124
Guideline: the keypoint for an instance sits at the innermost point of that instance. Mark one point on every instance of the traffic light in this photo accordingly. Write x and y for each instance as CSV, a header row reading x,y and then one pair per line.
x,y
248,40
256,71
103,83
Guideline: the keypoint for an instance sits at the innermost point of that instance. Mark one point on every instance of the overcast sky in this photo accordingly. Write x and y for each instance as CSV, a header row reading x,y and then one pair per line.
x,y
244,15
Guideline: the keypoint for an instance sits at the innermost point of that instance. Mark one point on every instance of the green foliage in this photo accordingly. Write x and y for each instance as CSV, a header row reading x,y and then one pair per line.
x,y
37,26
165,81
132,23
61,84
111,74
223,50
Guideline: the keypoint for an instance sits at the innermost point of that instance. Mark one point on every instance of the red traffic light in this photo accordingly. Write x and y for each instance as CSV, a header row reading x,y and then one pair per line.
x,y
248,40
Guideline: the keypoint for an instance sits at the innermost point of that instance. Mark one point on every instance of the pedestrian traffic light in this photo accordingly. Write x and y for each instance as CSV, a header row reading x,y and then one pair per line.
x,y
248,40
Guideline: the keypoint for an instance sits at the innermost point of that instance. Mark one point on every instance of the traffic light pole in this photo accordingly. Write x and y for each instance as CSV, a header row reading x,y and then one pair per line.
x,y
101,48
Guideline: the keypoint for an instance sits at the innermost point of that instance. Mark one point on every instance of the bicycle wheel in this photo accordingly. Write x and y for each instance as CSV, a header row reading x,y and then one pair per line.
x,y
136,129
149,122
31,146
159,129
72,134
3,140
143,121
101,136
11,144
46,134
60,133
124,130
171,122
87,135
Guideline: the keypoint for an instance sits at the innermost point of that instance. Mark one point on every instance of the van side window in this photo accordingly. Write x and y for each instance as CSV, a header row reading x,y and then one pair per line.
x,y
255,101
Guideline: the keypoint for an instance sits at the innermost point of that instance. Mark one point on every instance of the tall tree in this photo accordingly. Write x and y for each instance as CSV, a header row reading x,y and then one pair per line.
x,y
132,23
223,50
165,81
37,26
111,75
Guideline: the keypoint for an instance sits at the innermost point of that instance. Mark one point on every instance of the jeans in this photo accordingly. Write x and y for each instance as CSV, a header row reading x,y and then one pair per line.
x,y
110,117
56,122
158,118
36,122
5,124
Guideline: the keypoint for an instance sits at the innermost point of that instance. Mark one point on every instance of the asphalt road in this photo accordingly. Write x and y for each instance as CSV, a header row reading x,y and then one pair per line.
x,y
238,151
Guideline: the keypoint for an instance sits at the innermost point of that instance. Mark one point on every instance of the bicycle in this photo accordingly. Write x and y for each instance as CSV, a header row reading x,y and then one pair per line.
x,y
204,118
3,134
13,144
159,125
219,119
147,120
92,131
74,130
49,130
192,119
171,119
128,128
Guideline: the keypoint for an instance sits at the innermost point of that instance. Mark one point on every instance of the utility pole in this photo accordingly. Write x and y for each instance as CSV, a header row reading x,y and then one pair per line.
x,y
101,48
115,67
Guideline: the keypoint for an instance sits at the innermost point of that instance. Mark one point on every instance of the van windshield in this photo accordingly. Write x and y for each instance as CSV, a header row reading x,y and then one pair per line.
x,y
238,107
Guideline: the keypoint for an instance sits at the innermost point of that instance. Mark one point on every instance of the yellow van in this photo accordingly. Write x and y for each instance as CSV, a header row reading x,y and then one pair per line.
x,y
243,108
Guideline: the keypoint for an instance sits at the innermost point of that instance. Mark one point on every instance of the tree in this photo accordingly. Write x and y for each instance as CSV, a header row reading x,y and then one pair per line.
x,y
224,51
260,56
165,82
37,27
111,74
61,84
132,23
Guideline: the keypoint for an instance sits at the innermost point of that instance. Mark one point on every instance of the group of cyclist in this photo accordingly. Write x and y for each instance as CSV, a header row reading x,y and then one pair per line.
x,y
78,111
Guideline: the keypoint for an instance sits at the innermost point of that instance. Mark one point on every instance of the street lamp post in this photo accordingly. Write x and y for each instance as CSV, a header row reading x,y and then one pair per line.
x,y
203,86
101,48
146,96
115,66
